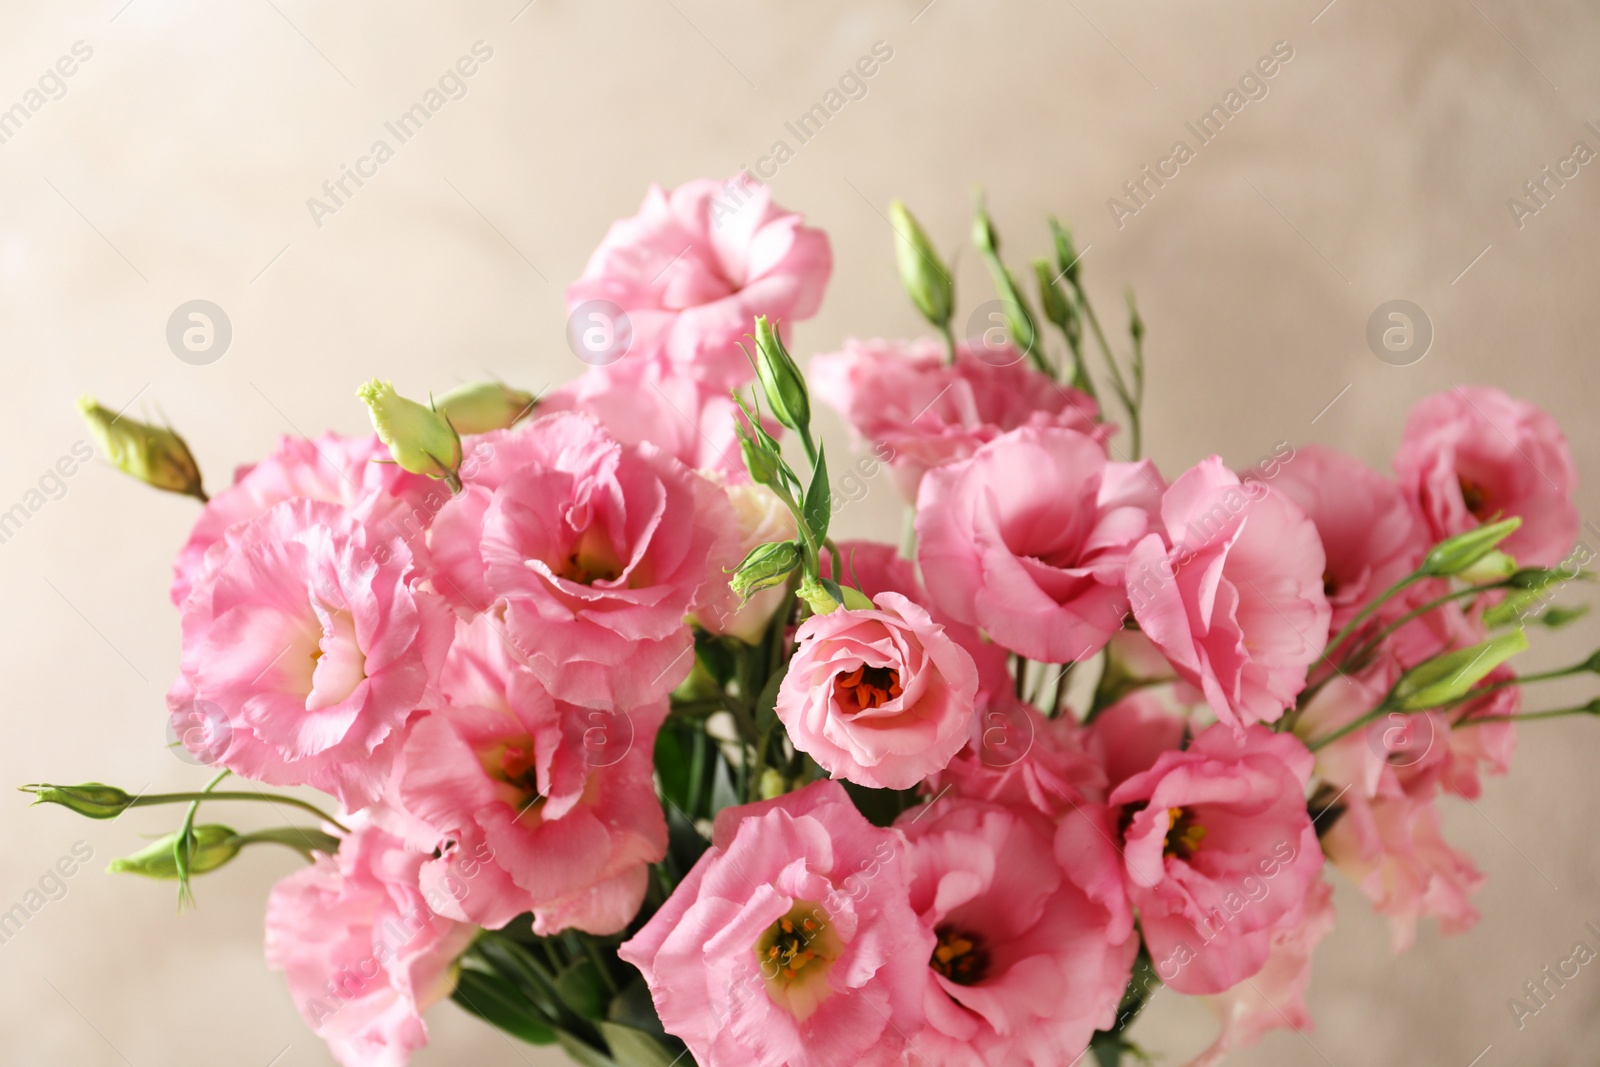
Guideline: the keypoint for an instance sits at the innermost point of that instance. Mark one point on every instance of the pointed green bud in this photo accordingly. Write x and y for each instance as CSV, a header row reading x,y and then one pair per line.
x,y
1135,320
155,455
766,566
1052,301
213,846
856,600
479,407
1066,253
1555,617
1492,566
91,799
762,464
818,596
772,785
1454,555
781,380
420,439
984,236
1448,677
1518,606
923,274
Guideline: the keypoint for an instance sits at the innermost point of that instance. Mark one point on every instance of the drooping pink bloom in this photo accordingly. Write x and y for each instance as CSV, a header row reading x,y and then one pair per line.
x,y
920,412
1217,849
306,649
695,267
362,950
589,553
881,697
691,419
1369,531
527,803
792,942
1025,968
1392,848
1233,593
1028,539
1474,454
1276,997
351,471
1017,757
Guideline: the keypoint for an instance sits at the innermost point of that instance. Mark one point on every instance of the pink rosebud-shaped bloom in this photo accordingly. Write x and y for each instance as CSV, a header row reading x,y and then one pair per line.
x,y
1217,849
695,267
1392,848
691,419
792,942
305,651
1276,997
589,553
1016,756
1475,454
528,803
1025,969
1233,594
882,697
362,950
1028,540
355,472
921,412
1369,532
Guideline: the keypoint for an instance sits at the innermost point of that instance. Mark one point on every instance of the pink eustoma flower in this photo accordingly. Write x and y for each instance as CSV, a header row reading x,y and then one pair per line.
x,y
528,803
695,267
1369,531
1475,454
1017,757
1028,540
355,472
589,553
920,412
792,942
1233,593
362,950
882,697
1026,967
306,649
1217,848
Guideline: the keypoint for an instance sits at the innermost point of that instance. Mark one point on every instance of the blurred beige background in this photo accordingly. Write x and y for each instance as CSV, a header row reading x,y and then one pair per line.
x,y
177,163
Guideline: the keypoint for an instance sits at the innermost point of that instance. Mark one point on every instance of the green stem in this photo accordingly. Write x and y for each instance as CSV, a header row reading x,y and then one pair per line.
x,y
183,845
1438,602
1118,382
1591,708
1365,613
151,799
302,839
949,342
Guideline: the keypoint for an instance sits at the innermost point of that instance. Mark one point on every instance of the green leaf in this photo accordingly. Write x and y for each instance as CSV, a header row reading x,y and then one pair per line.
x,y
497,1002
633,1007
881,806
723,793
635,1048
818,506
1555,617
672,762
582,989
584,1055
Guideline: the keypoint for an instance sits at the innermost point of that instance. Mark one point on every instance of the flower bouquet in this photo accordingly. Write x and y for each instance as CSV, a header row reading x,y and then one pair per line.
x,y
627,753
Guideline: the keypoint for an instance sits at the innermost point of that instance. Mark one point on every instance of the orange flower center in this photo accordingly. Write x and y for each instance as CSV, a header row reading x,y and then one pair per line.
x,y
867,687
1476,497
959,956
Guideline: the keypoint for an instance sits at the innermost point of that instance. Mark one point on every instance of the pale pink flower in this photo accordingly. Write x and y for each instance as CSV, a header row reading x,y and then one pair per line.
x,y
697,264
355,472
589,553
882,697
1026,967
1233,593
1392,848
1276,997
920,412
792,942
528,803
1028,540
362,950
305,651
1474,454
760,518
1217,849
691,419
1369,532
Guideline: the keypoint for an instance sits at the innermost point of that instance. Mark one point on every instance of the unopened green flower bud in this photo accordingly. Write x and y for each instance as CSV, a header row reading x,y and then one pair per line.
x,y
856,600
1492,566
1066,253
213,846
1518,606
759,461
1454,555
781,380
153,454
818,596
1135,320
91,799
1052,301
923,274
479,407
1449,677
766,566
420,439
772,784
